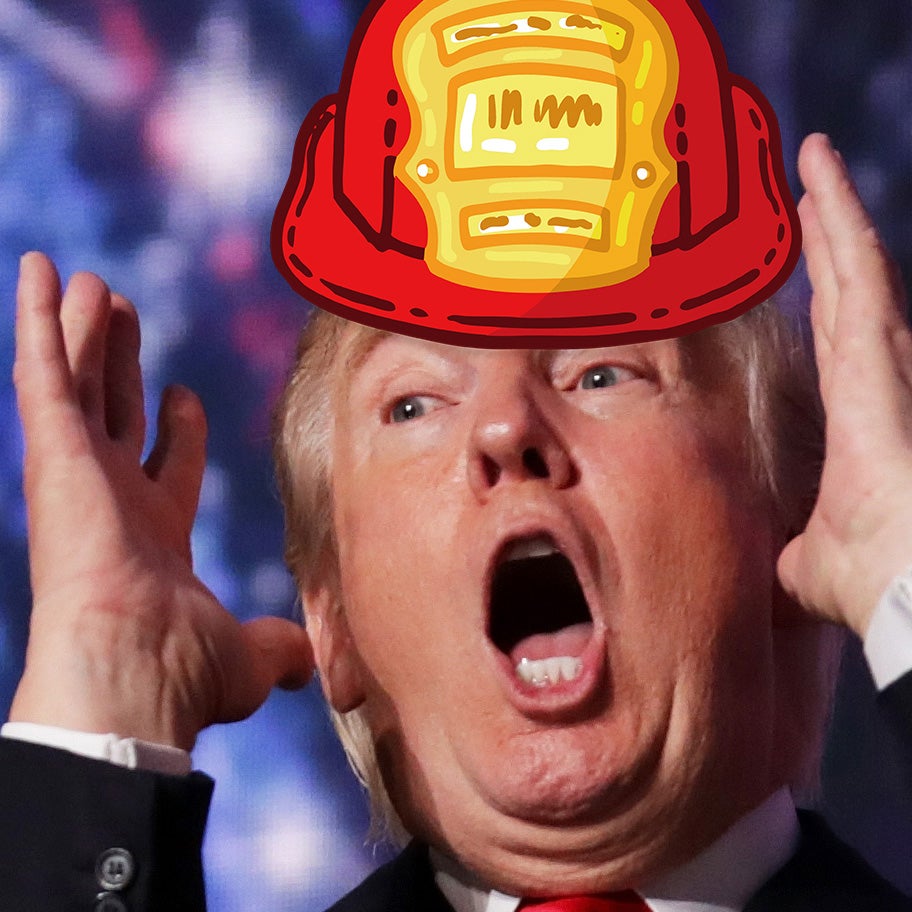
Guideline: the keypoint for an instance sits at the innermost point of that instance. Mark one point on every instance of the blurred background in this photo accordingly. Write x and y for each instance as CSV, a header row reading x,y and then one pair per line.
x,y
149,142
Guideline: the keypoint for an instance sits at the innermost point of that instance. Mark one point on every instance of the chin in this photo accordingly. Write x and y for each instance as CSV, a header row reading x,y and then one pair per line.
x,y
570,777
522,857
544,827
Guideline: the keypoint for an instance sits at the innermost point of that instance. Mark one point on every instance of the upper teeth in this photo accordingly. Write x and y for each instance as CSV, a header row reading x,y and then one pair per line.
x,y
543,672
529,547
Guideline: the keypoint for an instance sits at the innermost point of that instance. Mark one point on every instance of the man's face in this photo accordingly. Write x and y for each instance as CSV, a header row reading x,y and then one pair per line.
x,y
557,577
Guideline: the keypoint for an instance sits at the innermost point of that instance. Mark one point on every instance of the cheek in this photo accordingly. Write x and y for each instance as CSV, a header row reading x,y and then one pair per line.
x,y
692,623
377,503
395,542
691,537
390,485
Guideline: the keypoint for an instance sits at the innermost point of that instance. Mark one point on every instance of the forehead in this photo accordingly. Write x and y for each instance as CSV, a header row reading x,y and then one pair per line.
x,y
701,356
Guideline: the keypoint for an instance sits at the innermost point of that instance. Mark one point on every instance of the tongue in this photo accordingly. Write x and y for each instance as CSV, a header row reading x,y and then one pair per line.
x,y
568,641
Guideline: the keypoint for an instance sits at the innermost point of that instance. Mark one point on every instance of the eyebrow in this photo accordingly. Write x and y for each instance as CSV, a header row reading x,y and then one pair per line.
x,y
365,339
360,347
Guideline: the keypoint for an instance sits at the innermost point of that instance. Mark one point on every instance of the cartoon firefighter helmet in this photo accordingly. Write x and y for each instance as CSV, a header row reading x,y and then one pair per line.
x,y
526,173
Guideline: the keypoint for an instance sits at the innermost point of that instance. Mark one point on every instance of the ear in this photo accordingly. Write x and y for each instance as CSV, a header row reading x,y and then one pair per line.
x,y
337,659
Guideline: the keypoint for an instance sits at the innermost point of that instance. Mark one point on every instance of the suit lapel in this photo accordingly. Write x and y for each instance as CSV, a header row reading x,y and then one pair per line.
x,y
406,884
825,875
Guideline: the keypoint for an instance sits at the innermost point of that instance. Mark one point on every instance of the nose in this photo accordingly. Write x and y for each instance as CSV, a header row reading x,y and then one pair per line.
x,y
512,441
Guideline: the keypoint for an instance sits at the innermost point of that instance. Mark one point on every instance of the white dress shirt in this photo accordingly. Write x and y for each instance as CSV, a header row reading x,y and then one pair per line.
x,y
888,643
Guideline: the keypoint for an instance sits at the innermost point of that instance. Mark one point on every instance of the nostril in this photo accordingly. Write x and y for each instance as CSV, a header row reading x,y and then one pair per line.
x,y
491,471
534,463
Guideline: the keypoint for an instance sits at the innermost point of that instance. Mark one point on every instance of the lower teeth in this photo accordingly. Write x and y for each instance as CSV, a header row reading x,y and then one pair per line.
x,y
548,672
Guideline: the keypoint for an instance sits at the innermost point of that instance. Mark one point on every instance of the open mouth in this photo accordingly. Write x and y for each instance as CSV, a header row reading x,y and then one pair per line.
x,y
538,615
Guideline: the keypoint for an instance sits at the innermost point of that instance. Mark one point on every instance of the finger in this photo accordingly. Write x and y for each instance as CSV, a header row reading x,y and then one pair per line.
x,y
123,390
788,564
795,571
41,372
279,654
178,458
51,419
820,269
84,316
861,266
284,649
825,296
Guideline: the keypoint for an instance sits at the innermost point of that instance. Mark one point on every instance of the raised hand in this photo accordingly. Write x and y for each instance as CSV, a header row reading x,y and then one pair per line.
x,y
860,533
124,638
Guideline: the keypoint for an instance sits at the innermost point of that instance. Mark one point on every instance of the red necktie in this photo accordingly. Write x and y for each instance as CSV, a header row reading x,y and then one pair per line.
x,y
625,901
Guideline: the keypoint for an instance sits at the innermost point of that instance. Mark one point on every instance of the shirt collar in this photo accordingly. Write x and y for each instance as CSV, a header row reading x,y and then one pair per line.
x,y
722,878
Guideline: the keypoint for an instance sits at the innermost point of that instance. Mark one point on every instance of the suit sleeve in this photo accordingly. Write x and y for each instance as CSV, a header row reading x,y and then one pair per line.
x,y
72,829
896,702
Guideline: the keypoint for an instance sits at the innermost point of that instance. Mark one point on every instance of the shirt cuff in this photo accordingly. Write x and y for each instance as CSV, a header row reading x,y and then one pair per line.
x,y
128,752
888,643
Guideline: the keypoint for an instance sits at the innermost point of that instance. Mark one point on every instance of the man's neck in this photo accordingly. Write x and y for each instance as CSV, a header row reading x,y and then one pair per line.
x,y
721,878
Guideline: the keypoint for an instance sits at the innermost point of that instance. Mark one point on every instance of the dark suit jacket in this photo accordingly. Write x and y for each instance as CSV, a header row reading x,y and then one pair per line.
x,y
59,813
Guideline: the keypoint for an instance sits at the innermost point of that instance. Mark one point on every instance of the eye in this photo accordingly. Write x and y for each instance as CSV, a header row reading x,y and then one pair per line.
x,y
602,376
408,408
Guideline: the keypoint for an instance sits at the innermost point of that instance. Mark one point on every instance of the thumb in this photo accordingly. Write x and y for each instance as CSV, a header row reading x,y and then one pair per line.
x,y
788,565
804,576
278,654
